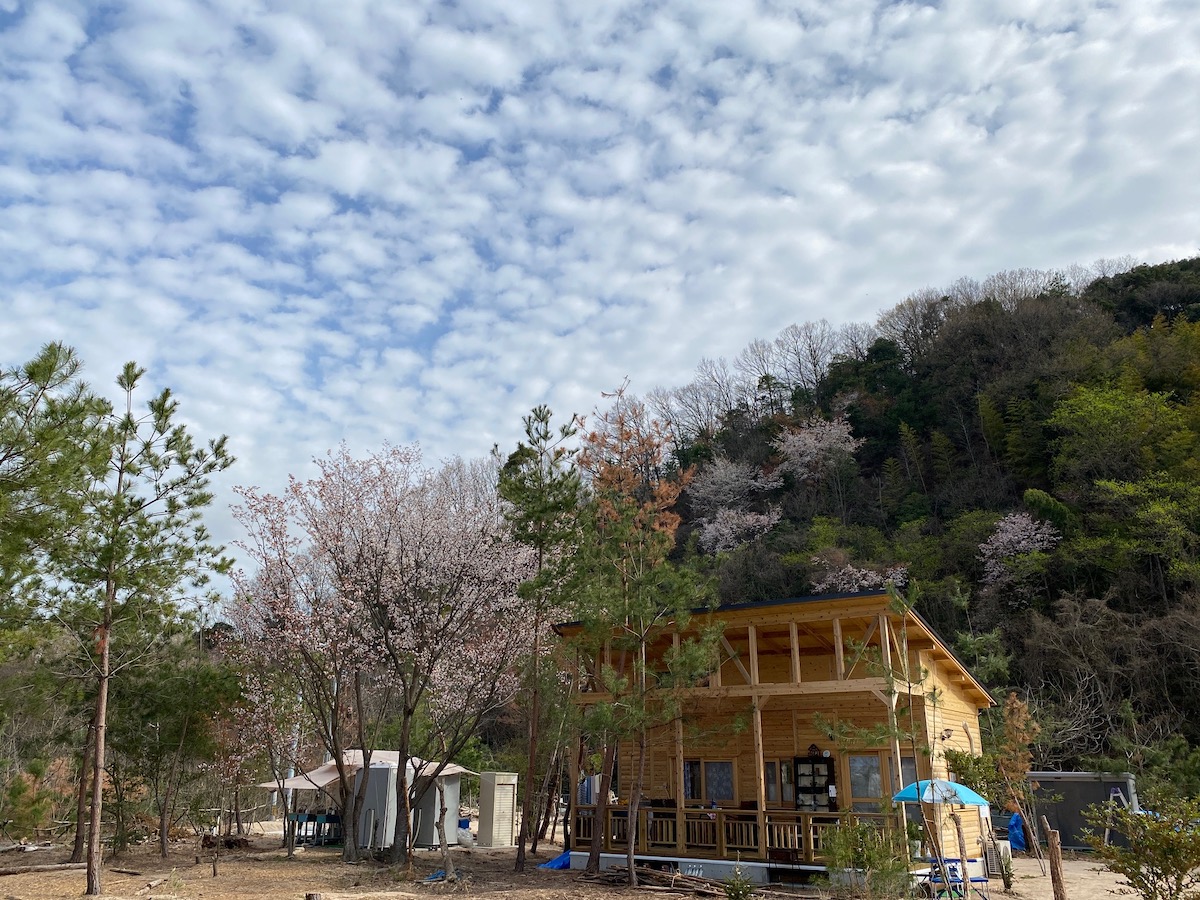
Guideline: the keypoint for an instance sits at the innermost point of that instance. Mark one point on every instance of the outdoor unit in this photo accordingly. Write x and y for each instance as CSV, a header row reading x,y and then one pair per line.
x,y
497,809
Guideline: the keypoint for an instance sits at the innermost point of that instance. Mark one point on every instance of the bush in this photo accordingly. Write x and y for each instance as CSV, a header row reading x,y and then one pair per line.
x,y
874,859
1162,861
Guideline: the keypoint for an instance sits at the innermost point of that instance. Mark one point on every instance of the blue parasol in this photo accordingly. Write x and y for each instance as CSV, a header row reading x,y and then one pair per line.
x,y
939,791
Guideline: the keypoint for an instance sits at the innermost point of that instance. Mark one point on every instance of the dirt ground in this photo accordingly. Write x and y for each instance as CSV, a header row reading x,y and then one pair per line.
x,y
263,872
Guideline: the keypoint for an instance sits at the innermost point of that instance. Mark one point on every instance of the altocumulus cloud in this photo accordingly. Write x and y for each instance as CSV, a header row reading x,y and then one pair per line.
x,y
413,221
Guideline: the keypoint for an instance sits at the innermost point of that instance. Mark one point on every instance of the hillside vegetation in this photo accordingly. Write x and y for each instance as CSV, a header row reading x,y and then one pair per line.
x,y
1021,453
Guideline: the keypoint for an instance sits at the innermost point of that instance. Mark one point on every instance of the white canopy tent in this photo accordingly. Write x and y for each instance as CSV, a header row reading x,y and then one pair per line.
x,y
326,774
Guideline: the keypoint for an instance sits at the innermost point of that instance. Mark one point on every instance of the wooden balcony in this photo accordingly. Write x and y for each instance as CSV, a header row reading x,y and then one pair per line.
x,y
780,836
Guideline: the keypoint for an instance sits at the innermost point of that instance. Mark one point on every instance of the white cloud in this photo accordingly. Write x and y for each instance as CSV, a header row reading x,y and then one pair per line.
x,y
380,221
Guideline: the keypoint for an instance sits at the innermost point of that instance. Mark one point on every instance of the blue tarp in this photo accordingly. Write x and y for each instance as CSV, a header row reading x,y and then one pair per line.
x,y
1016,833
562,861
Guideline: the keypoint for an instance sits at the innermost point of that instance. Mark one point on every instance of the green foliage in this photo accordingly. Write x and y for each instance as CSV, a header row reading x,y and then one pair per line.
x,y
738,886
1146,292
27,802
1162,861
49,445
873,861
980,773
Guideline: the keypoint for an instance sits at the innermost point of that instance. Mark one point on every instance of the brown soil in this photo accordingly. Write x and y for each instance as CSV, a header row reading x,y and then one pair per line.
x,y
262,871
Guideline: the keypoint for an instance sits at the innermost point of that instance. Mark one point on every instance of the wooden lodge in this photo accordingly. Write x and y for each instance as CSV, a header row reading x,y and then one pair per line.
x,y
794,732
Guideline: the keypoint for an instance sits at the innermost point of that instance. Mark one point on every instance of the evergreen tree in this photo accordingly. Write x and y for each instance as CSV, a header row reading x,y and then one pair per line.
x,y
140,547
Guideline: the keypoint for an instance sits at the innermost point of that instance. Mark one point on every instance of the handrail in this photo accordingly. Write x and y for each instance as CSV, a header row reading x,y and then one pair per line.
x,y
788,836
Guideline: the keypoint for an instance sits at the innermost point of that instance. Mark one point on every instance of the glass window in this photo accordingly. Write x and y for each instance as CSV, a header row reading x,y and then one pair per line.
x,y
691,780
718,780
866,782
771,778
708,780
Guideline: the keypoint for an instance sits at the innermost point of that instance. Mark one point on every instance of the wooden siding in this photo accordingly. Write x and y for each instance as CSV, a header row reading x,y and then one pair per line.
x,y
781,666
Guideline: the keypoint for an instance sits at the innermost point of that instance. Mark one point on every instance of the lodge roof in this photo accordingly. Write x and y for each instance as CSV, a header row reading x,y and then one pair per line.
x,y
751,607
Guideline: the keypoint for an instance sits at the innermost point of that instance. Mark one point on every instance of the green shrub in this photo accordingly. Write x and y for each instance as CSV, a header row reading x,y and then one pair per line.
x,y
1162,861
874,859
739,887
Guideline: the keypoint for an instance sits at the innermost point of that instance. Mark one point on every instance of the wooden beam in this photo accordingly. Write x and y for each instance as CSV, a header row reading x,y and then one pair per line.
x,y
866,639
737,662
752,639
839,652
820,638
808,688
795,638
894,635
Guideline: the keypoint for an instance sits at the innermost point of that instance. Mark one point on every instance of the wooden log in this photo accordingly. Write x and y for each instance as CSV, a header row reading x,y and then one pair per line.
x,y
1056,870
24,870
153,884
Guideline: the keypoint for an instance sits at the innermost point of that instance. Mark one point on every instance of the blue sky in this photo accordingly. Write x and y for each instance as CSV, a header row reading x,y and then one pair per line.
x,y
404,221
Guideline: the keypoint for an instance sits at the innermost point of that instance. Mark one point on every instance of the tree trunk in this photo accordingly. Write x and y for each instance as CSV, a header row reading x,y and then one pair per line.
x,y
635,800
350,813
94,858
447,863
527,814
601,811
550,811
237,808
81,799
165,806
164,821
400,837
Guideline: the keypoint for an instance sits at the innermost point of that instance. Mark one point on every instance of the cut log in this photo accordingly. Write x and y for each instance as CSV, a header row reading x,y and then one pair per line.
x,y
24,870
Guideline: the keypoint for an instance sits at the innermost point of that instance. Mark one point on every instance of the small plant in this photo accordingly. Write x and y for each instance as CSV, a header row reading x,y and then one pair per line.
x,y
1162,861
1006,873
739,886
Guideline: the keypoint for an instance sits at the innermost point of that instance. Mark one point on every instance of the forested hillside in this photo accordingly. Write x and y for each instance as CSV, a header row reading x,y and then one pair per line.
x,y
1021,454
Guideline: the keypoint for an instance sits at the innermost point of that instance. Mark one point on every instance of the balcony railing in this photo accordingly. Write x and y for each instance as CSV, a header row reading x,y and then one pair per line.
x,y
784,836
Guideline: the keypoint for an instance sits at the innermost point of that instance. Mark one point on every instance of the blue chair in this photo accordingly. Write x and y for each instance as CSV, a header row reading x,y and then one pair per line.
x,y
954,881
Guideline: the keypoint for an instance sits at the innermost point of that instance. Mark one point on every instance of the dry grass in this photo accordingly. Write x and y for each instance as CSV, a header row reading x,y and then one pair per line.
x,y
264,872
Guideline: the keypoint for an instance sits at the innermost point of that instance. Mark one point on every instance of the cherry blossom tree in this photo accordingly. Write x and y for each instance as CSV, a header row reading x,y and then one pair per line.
x,y
1016,535
294,624
811,450
381,581
727,497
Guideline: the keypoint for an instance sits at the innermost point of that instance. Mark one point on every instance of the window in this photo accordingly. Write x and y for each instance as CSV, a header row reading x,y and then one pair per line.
x,y
866,782
778,776
708,780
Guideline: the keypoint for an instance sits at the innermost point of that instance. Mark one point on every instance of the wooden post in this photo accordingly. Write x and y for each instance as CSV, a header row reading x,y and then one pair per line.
x,y
680,802
759,768
1056,870
839,652
795,642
